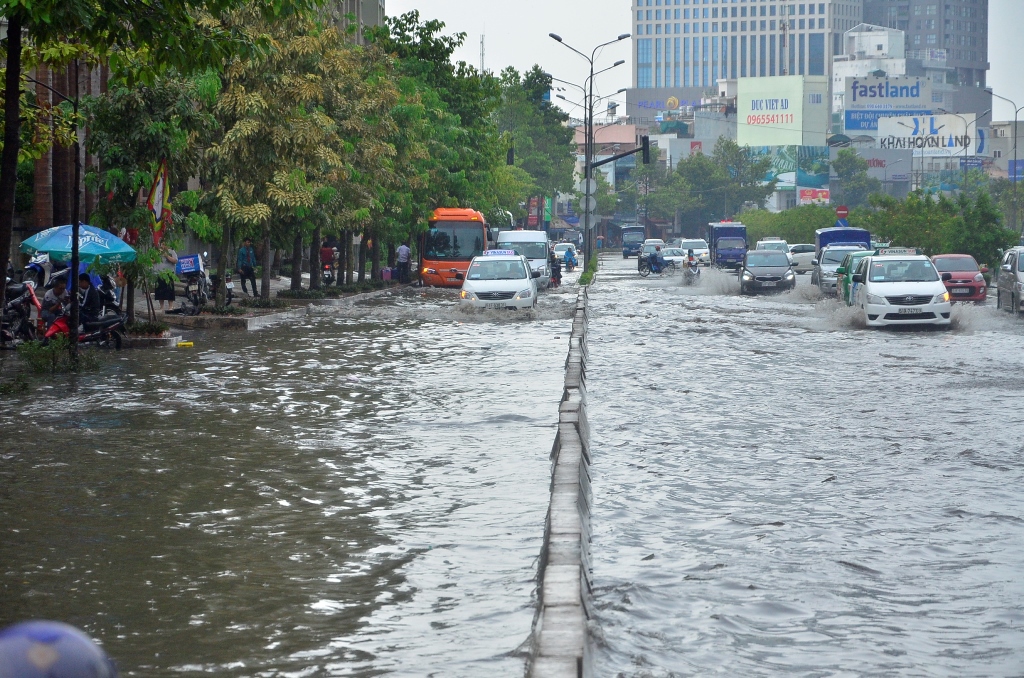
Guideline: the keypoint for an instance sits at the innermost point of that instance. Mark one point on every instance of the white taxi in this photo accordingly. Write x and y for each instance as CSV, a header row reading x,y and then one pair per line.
x,y
499,279
897,286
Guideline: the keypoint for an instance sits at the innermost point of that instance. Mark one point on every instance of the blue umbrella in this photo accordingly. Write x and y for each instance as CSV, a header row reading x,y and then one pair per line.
x,y
94,245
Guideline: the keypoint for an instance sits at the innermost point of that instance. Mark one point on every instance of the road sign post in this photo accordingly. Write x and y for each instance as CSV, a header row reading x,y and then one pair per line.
x,y
842,212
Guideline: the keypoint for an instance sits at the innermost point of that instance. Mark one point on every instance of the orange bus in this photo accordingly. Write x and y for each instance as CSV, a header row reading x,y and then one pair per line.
x,y
456,235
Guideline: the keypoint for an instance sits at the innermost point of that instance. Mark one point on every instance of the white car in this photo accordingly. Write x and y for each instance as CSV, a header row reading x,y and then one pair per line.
x,y
700,249
674,254
900,289
499,279
802,256
774,244
561,247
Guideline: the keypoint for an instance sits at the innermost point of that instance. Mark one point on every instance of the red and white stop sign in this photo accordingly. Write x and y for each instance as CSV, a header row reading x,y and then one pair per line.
x,y
842,212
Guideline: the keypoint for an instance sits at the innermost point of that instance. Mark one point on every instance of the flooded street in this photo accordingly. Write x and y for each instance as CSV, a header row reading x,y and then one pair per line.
x,y
362,492
779,491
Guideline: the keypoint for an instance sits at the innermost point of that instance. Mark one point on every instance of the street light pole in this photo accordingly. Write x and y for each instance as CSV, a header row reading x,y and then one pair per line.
x,y
1016,178
588,147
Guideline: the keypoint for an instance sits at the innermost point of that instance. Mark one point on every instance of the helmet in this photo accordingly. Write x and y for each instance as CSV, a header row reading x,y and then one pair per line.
x,y
690,252
46,649
657,248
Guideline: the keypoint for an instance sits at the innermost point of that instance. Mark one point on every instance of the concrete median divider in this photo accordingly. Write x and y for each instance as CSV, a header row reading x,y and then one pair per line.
x,y
560,630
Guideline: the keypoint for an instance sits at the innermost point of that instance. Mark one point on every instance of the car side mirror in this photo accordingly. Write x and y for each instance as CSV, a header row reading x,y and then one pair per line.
x,y
536,274
459,276
814,263
984,269
947,276
1005,267
841,269
858,277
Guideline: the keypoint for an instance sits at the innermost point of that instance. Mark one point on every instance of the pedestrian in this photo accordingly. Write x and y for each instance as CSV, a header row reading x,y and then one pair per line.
x,y
55,299
89,302
403,257
165,277
246,265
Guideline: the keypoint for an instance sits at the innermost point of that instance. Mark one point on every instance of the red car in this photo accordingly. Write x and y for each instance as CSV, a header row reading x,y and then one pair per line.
x,y
967,282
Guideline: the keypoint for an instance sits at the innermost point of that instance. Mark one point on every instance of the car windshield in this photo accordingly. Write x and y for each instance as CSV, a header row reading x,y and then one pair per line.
x,y
731,243
496,270
776,246
834,257
530,250
902,270
453,241
949,264
693,245
673,252
767,258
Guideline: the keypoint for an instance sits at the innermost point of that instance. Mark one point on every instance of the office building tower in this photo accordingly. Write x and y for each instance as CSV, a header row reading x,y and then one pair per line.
x,y
695,43
360,13
959,27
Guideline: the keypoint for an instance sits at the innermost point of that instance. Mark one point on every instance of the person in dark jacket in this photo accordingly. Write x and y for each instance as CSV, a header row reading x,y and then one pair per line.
x,y
246,265
90,306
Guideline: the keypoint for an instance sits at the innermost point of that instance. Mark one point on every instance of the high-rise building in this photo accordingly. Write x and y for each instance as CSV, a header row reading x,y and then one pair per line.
x,y
960,27
695,43
362,13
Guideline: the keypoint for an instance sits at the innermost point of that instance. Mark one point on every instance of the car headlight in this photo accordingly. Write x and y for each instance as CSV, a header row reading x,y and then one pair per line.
x,y
429,271
830,274
525,294
467,295
748,276
979,278
942,298
790,275
875,299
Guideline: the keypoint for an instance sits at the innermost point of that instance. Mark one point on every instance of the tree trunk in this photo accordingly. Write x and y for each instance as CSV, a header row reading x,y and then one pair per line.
x,y
221,293
268,255
344,244
42,183
12,138
375,260
350,255
315,265
129,298
362,258
297,260
63,161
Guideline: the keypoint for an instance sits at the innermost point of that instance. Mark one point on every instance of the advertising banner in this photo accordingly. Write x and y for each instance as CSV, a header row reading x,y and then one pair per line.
x,y
188,263
796,166
972,162
928,135
870,98
769,111
1016,170
884,165
814,196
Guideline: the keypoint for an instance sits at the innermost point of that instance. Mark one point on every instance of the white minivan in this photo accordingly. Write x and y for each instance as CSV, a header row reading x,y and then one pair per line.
x,y
534,246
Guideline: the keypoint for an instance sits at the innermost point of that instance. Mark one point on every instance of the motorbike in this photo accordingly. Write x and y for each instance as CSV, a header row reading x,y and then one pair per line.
x,y
229,288
16,324
669,268
41,270
328,274
691,273
107,330
570,263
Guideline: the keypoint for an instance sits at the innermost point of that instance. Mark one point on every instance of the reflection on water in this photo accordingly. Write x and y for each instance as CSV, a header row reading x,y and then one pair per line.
x,y
325,498
781,492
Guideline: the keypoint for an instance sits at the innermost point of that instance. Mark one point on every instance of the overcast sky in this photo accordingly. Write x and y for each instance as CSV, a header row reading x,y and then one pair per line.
x,y
517,35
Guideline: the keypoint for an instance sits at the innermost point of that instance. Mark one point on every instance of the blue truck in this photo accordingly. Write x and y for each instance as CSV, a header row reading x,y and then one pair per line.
x,y
633,236
840,235
728,243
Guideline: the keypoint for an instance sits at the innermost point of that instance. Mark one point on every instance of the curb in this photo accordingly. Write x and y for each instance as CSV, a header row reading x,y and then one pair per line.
x,y
566,578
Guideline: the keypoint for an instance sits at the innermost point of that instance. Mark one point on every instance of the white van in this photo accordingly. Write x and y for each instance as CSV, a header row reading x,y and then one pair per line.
x,y
534,246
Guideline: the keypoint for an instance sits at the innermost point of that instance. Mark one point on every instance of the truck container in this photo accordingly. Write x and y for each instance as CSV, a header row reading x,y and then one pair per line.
x,y
727,241
840,235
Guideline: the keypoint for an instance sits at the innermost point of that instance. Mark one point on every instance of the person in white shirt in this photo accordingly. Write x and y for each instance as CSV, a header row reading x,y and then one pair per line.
x,y
403,258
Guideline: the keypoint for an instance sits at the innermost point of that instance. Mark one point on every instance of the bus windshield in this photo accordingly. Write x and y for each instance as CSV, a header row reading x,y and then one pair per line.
x,y
632,236
530,250
453,240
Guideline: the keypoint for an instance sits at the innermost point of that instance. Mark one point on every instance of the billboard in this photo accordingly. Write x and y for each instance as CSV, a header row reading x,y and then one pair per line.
x,y
814,196
1016,170
928,135
870,98
770,111
647,102
796,166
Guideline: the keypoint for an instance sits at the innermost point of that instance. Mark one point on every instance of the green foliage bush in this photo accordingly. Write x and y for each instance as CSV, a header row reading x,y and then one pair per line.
x,y
144,328
54,356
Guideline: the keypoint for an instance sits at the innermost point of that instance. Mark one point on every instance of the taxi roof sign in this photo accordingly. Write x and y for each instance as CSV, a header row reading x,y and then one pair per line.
x,y
901,251
491,253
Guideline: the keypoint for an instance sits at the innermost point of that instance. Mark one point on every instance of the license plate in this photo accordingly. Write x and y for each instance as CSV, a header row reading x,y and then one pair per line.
x,y
768,284
961,290
913,310
231,286
493,305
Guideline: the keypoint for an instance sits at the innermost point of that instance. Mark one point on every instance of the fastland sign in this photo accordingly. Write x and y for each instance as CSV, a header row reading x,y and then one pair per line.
x,y
869,98
885,90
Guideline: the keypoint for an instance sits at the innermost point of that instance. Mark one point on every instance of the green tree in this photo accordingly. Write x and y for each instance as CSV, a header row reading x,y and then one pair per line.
x,y
795,225
730,178
855,186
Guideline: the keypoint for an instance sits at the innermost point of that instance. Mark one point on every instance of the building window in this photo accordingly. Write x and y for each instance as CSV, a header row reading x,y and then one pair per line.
x,y
917,39
931,39
657,15
764,24
810,8
657,29
997,154
821,23
802,26
816,54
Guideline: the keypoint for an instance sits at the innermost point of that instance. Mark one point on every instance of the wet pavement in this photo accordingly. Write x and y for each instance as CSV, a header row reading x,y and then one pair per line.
x,y
779,491
362,492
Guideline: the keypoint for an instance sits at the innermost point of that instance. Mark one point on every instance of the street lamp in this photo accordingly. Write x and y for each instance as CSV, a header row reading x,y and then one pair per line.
x,y
1016,178
588,148
921,180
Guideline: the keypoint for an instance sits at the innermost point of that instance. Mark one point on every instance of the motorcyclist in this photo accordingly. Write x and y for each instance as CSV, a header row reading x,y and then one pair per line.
x,y
691,259
656,260
569,258
90,304
556,270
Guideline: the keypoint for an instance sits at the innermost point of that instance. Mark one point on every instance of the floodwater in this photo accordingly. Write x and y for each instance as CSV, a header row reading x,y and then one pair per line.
x,y
359,493
779,491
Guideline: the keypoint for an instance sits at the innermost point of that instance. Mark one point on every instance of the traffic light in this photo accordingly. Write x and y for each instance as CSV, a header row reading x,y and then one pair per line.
x,y
645,143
